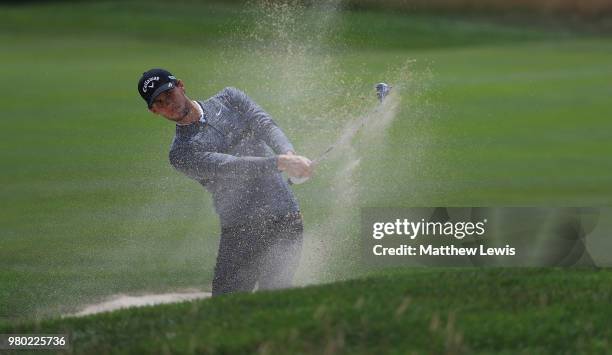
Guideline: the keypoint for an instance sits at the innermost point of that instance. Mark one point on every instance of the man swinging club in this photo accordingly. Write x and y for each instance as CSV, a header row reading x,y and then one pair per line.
x,y
237,152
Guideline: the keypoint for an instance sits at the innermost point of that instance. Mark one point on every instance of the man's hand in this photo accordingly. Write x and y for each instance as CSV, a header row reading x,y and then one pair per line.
x,y
295,165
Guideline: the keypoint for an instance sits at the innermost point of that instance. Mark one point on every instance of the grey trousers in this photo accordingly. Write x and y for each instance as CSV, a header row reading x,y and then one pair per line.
x,y
265,252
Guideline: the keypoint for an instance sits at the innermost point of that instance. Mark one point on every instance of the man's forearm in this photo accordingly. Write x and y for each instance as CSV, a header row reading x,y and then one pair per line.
x,y
206,165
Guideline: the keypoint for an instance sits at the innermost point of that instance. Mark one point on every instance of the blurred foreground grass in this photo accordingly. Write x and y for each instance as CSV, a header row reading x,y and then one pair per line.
x,y
450,311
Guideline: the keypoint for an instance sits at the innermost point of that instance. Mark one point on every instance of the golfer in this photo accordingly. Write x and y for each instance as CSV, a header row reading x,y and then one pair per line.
x,y
237,152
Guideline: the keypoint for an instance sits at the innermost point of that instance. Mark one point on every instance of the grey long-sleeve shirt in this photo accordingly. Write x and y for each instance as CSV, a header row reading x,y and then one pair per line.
x,y
233,155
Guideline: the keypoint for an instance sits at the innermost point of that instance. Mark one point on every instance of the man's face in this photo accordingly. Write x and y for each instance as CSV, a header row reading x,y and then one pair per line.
x,y
172,104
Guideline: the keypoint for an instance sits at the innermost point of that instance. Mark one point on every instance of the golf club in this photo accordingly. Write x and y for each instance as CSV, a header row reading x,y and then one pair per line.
x,y
382,90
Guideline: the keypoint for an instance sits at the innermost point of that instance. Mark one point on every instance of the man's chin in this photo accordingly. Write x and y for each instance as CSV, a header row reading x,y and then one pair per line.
x,y
174,118
178,117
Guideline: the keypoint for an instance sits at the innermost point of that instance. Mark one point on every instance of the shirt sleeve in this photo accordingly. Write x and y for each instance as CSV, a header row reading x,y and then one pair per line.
x,y
259,121
208,165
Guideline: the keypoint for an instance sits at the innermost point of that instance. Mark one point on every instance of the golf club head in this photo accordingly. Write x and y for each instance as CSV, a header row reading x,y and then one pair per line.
x,y
382,90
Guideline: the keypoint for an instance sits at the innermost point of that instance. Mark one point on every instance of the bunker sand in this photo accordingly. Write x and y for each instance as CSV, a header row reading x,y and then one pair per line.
x,y
121,301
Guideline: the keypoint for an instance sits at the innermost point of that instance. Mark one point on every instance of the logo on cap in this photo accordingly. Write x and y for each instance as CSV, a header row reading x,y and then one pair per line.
x,y
149,81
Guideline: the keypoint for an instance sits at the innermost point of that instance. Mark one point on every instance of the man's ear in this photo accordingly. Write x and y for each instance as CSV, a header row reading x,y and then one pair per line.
x,y
180,84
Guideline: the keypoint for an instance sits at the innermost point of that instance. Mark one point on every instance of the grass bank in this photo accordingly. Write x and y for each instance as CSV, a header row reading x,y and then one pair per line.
x,y
451,311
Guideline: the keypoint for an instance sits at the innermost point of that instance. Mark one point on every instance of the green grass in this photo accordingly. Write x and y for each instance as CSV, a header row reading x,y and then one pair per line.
x,y
451,311
493,115
210,24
